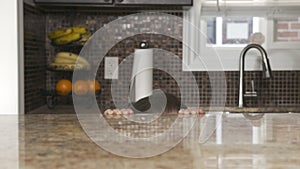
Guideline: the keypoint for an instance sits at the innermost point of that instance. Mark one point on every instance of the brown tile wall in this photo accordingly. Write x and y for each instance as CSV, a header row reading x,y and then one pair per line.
x,y
35,60
94,21
282,90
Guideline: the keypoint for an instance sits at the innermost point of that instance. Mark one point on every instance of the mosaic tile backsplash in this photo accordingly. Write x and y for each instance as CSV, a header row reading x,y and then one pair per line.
x,y
35,60
283,90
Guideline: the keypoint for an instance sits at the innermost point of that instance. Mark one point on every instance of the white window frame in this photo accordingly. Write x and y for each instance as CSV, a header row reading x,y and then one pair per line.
x,y
219,25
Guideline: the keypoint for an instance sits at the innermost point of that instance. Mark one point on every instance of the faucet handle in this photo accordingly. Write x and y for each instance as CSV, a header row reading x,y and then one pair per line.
x,y
252,86
253,92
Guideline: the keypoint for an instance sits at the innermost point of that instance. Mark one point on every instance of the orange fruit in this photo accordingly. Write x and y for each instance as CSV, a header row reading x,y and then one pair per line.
x,y
63,87
80,87
94,86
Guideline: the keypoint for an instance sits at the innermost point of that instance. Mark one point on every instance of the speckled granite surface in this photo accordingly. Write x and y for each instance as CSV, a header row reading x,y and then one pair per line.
x,y
50,141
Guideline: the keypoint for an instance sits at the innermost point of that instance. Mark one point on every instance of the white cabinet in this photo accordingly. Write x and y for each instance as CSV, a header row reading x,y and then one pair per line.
x,y
9,52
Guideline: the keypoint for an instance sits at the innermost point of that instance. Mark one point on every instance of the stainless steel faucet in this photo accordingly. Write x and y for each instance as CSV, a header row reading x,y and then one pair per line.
x,y
267,72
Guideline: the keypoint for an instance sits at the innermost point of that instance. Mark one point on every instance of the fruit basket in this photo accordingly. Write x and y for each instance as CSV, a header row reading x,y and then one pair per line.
x,y
68,41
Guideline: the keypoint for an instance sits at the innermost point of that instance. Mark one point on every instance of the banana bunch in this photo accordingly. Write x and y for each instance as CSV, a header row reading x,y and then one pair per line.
x,y
84,37
65,36
69,61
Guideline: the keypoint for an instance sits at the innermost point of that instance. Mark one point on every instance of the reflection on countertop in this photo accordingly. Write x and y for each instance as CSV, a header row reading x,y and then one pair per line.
x,y
69,109
269,109
233,141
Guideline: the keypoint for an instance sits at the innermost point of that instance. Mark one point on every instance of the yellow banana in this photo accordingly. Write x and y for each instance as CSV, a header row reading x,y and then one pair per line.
x,y
63,61
86,36
79,29
67,67
72,56
80,66
67,55
58,66
67,39
59,33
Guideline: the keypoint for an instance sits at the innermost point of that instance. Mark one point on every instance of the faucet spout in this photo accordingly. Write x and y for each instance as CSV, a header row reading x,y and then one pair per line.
x,y
267,72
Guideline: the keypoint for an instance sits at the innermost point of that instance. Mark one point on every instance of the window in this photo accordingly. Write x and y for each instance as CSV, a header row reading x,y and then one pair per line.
x,y
237,30
211,27
227,25
287,30
233,31
284,33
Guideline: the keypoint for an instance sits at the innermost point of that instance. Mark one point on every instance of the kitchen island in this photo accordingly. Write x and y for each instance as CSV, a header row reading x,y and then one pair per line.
x,y
272,141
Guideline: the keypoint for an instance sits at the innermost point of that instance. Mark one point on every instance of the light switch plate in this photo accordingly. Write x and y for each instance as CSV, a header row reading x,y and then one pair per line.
x,y
111,68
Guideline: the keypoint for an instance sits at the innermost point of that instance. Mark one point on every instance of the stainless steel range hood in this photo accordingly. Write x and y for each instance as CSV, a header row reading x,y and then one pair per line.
x,y
155,2
75,2
116,3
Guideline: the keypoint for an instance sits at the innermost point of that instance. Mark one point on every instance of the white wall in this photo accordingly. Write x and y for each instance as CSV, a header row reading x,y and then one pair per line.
x,y
9,54
9,144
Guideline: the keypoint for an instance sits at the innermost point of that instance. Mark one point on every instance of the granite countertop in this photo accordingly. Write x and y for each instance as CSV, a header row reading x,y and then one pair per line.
x,y
50,141
69,109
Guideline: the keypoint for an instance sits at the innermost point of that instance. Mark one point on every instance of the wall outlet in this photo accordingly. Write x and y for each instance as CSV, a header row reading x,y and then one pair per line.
x,y
111,68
